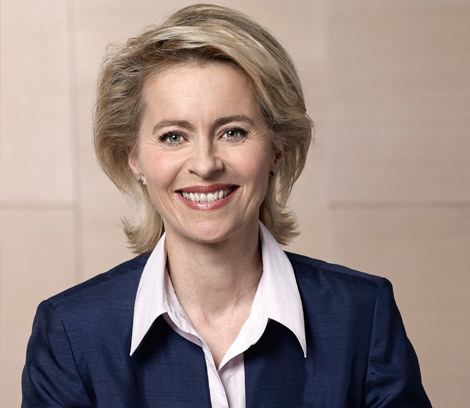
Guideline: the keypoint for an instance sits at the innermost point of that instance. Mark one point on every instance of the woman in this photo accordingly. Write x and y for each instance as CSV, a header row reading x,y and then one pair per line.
x,y
203,122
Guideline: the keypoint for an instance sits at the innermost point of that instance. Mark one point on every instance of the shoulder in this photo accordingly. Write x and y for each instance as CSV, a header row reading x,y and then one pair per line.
x,y
341,301
320,279
304,265
117,286
85,323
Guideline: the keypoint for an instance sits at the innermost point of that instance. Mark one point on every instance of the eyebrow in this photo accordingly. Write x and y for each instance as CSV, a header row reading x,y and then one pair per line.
x,y
217,123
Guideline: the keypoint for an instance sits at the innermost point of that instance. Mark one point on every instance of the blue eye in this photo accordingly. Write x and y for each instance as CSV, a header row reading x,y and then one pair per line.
x,y
235,134
172,138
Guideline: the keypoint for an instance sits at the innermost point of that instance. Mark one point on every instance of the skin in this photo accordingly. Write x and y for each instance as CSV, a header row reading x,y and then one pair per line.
x,y
202,127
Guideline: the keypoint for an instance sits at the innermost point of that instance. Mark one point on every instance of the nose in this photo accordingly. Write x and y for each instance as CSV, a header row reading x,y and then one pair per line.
x,y
205,161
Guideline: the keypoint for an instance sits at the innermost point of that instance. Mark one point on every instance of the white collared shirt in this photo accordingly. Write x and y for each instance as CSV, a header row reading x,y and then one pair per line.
x,y
277,297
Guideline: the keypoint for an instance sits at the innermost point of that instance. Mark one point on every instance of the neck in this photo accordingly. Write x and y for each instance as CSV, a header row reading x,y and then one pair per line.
x,y
216,277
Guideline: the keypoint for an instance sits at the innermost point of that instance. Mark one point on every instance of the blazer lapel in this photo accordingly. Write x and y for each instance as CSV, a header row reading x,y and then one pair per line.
x,y
275,370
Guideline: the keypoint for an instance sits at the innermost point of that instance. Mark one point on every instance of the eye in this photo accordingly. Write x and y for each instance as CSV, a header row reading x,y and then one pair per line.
x,y
234,134
171,138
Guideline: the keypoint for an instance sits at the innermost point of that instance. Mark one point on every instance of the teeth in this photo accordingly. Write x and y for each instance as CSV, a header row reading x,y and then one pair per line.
x,y
209,197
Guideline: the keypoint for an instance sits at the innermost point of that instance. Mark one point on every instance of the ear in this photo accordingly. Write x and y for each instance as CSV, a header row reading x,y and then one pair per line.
x,y
133,162
277,157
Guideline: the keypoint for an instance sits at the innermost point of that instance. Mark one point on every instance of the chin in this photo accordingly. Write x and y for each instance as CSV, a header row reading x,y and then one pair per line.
x,y
210,236
210,232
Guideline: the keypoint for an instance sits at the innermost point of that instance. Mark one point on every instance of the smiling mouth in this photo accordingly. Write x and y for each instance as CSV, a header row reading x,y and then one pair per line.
x,y
198,195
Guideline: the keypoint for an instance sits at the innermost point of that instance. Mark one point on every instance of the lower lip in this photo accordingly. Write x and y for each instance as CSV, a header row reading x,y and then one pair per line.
x,y
205,205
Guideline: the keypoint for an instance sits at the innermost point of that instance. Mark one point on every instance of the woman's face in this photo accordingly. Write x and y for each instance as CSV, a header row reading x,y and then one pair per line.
x,y
204,151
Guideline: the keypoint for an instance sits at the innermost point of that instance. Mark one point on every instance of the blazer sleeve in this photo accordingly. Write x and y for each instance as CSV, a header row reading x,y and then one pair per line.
x,y
50,375
393,376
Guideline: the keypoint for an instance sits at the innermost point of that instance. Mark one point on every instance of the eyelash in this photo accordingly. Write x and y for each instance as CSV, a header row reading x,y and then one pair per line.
x,y
164,138
242,133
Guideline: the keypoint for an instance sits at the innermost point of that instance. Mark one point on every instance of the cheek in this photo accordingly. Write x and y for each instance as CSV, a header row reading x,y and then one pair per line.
x,y
259,161
257,171
160,172
158,168
254,168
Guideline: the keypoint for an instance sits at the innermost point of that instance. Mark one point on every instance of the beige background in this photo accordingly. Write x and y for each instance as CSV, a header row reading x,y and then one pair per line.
x,y
386,190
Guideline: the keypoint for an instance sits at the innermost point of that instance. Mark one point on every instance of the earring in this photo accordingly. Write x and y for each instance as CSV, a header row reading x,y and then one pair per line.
x,y
141,180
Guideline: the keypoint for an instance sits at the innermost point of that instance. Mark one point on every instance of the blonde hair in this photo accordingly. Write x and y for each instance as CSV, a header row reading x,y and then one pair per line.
x,y
201,33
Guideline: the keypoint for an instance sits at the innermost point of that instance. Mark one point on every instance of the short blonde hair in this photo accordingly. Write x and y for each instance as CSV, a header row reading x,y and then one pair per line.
x,y
201,33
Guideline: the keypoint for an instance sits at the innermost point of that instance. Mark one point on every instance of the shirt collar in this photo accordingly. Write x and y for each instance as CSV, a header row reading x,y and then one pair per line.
x,y
280,293
151,299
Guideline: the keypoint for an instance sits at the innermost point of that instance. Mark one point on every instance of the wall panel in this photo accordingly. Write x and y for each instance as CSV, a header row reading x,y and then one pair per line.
x,y
37,259
399,101
35,153
424,252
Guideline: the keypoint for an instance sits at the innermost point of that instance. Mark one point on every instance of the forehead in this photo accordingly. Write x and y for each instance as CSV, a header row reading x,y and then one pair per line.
x,y
193,88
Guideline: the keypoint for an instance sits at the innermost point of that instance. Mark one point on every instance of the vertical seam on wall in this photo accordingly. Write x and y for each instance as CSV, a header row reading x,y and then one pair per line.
x,y
75,137
1,123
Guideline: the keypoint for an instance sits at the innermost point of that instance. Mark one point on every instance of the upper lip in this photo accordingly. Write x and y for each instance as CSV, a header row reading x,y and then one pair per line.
x,y
206,189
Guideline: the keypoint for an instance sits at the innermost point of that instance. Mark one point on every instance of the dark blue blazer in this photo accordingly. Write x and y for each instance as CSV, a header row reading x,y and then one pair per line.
x,y
358,354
